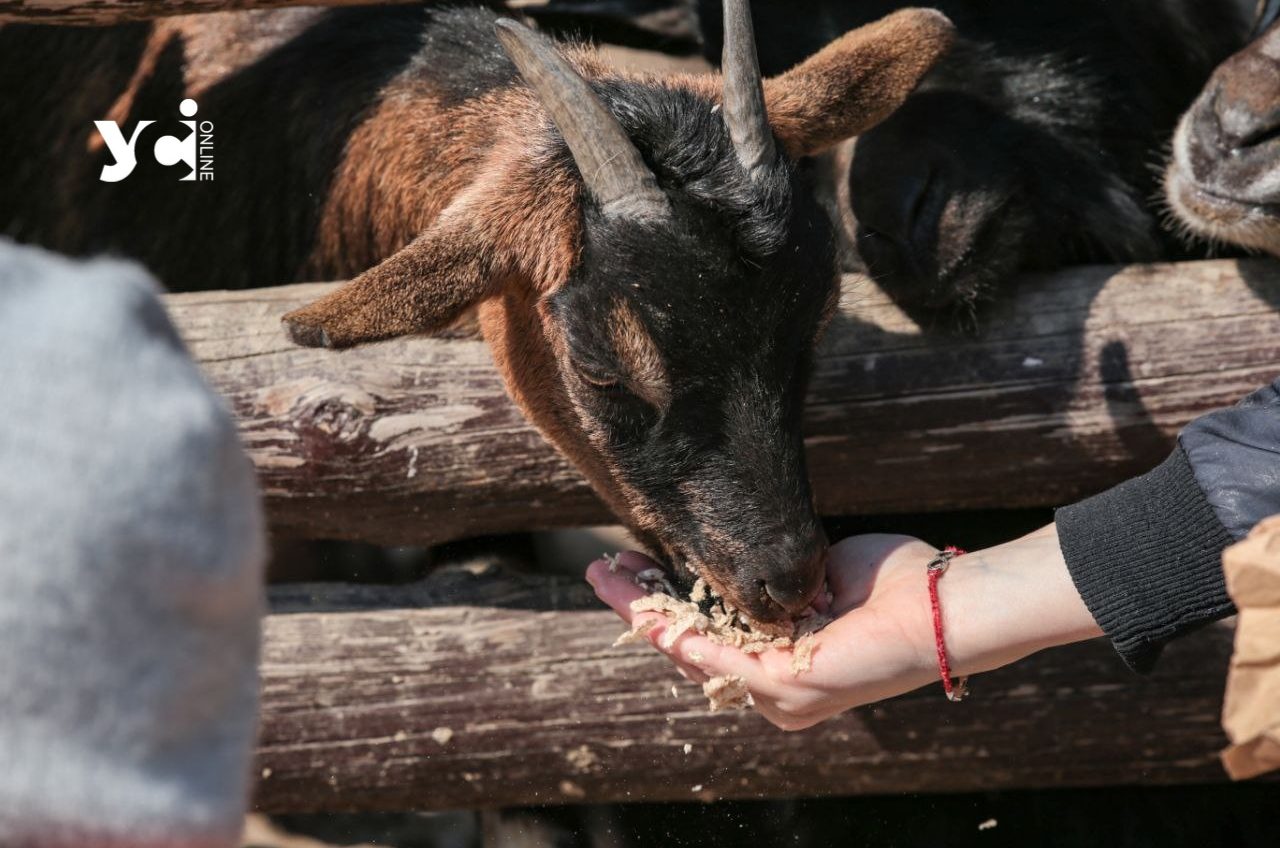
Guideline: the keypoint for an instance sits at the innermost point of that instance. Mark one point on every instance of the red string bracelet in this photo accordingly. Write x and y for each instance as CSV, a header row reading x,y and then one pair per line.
x,y
937,567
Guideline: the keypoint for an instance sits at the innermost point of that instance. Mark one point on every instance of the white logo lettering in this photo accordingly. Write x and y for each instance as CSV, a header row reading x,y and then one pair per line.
x,y
120,149
168,150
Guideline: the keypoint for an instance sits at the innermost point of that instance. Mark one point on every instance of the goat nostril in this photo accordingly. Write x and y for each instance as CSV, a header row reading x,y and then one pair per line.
x,y
920,214
1237,124
1257,138
890,208
787,597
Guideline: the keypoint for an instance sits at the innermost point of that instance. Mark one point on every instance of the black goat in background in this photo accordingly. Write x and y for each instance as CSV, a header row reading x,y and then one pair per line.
x,y
1036,143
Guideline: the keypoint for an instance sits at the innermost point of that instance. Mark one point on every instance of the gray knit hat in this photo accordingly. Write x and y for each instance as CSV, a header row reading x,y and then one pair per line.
x,y
131,555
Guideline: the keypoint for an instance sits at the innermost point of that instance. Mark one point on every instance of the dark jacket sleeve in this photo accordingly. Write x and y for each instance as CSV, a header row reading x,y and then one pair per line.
x,y
1146,556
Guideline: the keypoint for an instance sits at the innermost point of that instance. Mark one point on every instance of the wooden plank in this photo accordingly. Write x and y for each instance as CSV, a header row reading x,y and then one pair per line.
x,y
101,12
1080,380
455,702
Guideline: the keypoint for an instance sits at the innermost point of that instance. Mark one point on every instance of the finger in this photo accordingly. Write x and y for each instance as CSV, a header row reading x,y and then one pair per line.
x,y
633,562
713,660
691,651
692,673
618,590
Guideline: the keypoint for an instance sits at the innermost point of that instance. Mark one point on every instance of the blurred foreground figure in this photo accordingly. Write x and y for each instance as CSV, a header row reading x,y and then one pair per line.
x,y
131,552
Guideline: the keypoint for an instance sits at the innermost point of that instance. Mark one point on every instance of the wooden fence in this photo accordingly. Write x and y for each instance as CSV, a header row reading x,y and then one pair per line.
x,y
474,690
1080,380
488,692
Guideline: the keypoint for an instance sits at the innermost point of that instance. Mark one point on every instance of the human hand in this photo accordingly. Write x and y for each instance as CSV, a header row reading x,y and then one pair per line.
x,y
998,605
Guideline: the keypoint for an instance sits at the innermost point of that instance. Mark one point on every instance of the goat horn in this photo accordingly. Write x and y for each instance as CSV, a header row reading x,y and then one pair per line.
x,y
611,166
744,109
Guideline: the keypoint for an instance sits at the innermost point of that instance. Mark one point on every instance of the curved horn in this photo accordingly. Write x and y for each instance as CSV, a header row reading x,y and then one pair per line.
x,y
744,111
611,166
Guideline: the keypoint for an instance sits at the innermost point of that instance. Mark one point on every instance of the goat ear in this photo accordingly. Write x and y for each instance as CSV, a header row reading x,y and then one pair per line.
x,y
856,81
423,287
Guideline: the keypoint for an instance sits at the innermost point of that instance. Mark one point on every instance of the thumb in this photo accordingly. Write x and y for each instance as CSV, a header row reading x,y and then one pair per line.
x,y
854,564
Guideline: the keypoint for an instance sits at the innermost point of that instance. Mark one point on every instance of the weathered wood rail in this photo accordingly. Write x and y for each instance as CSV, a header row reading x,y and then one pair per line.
x,y
486,692
117,11
101,12
1079,381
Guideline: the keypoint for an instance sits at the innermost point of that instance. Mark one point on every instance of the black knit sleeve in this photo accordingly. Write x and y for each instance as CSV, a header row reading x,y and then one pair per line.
x,y
1146,558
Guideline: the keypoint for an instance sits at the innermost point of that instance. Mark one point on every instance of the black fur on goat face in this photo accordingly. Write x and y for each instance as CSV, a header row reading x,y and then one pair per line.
x,y
686,345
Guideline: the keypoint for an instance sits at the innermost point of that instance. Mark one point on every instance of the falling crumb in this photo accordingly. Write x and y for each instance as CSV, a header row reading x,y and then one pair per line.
x,y
612,559
688,748
400,736
727,692
675,693
697,787
442,735
266,772
571,789
987,825
1032,362
582,758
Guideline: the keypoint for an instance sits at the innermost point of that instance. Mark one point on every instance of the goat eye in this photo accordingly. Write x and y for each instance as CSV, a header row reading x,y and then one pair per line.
x,y
599,381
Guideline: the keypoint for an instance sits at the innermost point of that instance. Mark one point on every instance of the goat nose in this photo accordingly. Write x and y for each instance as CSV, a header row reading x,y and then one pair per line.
x,y
898,210
795,587
1248,116
898,231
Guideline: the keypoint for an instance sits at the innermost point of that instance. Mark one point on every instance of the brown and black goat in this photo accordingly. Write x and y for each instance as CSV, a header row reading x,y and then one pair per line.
x,y
649,267
651,275
1223,180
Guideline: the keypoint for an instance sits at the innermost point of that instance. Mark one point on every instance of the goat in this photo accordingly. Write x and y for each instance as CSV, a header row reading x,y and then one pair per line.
x,y
649,268
1223,179
1033,144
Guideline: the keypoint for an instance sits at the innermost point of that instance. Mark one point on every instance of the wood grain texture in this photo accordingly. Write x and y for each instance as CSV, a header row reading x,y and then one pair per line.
x,y
485,692
1081,380
102,12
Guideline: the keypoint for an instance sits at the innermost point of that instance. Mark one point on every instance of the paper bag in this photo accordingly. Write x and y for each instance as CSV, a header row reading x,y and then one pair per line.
x,y
1251,710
